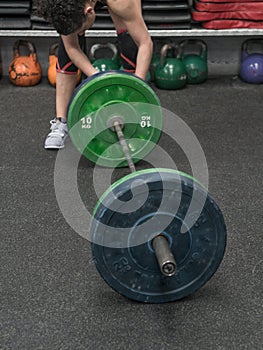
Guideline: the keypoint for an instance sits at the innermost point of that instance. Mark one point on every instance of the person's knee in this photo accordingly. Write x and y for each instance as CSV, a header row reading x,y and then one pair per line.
x,y
68,68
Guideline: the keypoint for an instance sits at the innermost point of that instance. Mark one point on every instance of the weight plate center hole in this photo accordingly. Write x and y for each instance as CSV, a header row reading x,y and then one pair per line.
x,y
115,119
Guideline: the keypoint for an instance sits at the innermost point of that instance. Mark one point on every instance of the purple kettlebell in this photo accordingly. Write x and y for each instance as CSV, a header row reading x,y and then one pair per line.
x,y
251,70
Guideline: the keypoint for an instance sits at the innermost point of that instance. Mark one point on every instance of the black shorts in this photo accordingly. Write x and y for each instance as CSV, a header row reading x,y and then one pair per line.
x,y
127,47
64,64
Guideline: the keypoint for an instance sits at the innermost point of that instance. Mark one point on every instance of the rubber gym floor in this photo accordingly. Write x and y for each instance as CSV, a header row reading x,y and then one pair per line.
x,y
52,296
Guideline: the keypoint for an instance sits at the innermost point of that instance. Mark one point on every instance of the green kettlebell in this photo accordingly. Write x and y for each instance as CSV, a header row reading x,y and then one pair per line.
x,y
156,60
170,73
195,63
108,63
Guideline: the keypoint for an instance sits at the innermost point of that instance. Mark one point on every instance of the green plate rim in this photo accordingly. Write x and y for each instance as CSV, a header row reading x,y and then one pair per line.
x,y
142,172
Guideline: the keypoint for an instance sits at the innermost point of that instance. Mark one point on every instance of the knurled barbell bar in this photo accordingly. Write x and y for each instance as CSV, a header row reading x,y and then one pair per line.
x,y
141,240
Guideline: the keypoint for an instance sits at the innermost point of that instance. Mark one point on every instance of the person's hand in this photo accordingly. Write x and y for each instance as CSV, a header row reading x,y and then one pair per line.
x,y
96,71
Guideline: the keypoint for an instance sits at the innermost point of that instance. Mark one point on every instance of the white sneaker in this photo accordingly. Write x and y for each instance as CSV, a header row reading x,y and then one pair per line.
x,y
56,138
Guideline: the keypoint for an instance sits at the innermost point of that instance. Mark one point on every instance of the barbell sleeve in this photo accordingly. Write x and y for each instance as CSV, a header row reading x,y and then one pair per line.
x,y
164,256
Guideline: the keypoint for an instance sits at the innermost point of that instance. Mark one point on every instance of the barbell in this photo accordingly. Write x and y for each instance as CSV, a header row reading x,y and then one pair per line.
x,y
142,243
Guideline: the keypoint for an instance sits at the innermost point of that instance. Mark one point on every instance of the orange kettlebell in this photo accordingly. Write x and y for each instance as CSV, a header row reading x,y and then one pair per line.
x,y
24,70
51,74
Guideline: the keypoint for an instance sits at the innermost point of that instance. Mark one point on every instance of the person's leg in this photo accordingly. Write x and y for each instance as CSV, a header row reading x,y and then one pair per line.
x,y
128,50
65,85
137,41
127,47
66,80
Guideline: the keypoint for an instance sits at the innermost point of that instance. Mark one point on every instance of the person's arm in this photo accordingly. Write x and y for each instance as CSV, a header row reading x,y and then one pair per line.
x,y
76,55
127,14
145,48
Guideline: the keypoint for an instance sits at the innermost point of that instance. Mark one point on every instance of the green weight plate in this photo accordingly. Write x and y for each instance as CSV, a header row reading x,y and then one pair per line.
x,y
142,205
100,99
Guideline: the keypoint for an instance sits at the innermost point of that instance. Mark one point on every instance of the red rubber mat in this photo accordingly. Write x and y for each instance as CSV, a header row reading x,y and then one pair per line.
x,y
209,16
229,24
223,7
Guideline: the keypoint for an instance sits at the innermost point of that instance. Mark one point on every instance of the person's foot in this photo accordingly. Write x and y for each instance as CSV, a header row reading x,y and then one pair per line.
x,y
56,138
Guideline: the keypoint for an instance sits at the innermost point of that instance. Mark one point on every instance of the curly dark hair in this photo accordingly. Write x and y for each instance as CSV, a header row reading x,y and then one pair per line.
x,y
65,15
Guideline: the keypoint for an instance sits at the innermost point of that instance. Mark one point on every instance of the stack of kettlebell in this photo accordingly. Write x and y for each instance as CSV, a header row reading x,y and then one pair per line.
x,y
177,65
251,65
172,69
25,70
